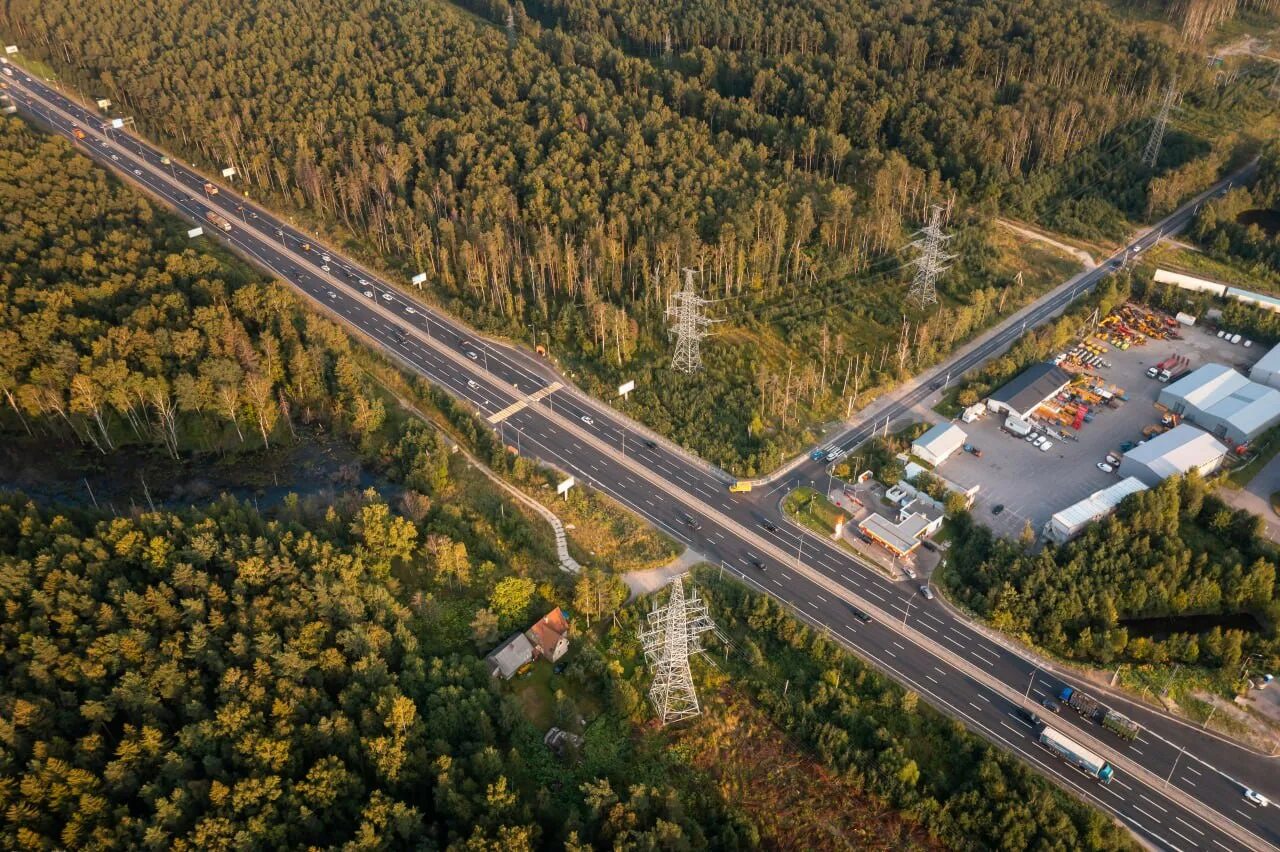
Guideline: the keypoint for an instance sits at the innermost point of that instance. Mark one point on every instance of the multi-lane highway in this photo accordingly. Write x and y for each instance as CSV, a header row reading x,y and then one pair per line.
x,y
1175,787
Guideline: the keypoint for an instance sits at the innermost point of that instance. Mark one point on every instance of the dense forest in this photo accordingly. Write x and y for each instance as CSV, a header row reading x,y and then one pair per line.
x,y
1173,550
553,176
1242,228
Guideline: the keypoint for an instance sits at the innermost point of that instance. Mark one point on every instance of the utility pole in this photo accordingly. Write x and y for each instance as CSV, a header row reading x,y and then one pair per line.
x,y
1152,152
929,264
686,308
674,636
511,24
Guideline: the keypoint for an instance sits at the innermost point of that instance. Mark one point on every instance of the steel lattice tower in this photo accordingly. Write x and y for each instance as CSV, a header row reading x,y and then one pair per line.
x,y
673,636
686,308
1152,152
929,265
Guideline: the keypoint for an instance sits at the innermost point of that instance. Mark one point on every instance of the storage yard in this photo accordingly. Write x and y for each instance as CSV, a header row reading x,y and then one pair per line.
x,y
1108,405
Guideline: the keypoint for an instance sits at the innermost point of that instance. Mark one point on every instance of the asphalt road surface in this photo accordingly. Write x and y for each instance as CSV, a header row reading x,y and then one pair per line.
x,y
1175,787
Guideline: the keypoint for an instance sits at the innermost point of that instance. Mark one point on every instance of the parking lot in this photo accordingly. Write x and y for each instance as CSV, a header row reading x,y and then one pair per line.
x,y
1032,485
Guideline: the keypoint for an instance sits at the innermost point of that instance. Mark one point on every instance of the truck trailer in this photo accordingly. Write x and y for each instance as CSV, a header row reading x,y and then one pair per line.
x,y
1091,708
1075,754
218,221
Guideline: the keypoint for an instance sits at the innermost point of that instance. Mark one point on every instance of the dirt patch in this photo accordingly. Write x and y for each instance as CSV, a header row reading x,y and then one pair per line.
x,y
795,801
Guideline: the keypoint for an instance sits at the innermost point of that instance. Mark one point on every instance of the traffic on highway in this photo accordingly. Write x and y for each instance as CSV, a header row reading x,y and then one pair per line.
x,y
1173,785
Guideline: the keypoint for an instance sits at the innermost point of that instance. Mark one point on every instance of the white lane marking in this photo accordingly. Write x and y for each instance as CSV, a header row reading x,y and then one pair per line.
x,y
932,678
1243,814
1189,825
938,670
890,653
1135,749
1193,769
820,597
1122,784
1164,809
1141,811
899,645
1185,780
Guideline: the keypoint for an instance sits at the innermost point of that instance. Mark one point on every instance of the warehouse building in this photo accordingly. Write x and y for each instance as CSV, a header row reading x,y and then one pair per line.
x,y
1219,400
1072,520
939,443
1022,394
1173,453
1267,370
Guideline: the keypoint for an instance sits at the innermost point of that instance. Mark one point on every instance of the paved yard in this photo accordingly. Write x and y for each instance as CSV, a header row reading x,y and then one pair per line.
x,y
1033,485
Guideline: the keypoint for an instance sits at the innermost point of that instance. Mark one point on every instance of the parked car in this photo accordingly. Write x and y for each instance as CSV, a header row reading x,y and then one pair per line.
x,y
1046,446
1105,468
997,508
1113,460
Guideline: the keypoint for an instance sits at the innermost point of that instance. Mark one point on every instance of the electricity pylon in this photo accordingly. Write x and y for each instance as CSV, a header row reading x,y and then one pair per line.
x,y
686,308
929,265
674,636
1152,152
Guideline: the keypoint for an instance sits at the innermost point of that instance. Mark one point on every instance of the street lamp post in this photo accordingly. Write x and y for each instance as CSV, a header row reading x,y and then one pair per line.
x,y
1026,696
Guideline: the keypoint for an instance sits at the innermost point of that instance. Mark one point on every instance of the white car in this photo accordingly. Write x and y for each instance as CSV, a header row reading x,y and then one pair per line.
x,y
586,418
1039,441
386,297
1255,798
471,383
137,171
410,310
114,157
1046,446
325,267
325,258
1031,437
332,295
368,294
472,355
1105,468
363,283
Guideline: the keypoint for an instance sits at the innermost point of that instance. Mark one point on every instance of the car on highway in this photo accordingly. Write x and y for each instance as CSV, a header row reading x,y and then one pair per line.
x,y
332,295
472,355
324,257
650,445
114,157
1051,705
586,418
386,297
363,283
770,526
368,294
927,592
325,267
860,615
411,310
137,172
1255,798
690,521
1028,716
473,384
760,566
1105,468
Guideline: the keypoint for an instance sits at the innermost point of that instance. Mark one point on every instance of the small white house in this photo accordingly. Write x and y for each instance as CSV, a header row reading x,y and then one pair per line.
x,y
939,443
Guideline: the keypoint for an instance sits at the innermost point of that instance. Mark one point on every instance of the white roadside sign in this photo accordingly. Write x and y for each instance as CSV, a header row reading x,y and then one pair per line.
x,y
563,487
626,388
195,232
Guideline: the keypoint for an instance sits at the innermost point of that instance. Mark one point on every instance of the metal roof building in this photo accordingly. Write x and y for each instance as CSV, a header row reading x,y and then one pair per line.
x,y
1220,400
1073,519
1267,370
939,443
1023,394
1175,452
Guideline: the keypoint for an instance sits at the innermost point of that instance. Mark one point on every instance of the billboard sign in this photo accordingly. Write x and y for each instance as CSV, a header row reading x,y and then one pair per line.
x,y
418,279
228,172
563,487
626,388
195,232
117,123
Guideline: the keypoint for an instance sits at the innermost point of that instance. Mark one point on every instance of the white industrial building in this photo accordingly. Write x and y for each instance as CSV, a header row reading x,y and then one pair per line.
x,y
1219,400
1069,522
1022,394
939,443
1173,453
1267,370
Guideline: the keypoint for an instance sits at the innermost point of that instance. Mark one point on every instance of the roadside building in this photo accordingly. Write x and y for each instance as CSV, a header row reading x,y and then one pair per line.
x,y
1072,520
939,443
1175,452
1267,370
918,515
1023,394
509,657
1221,401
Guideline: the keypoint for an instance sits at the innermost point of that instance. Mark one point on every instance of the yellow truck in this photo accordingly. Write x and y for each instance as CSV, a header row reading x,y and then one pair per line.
x,y
741,487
